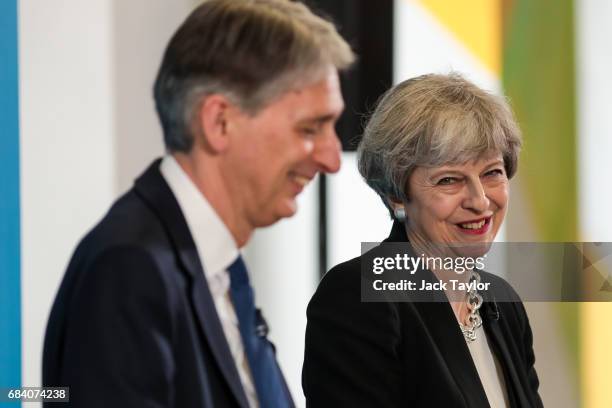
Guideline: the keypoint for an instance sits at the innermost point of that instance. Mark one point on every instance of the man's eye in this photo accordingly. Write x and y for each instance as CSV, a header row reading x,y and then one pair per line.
x,y
309,131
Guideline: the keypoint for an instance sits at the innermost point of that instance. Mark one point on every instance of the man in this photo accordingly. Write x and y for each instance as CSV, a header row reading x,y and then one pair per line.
x,y
155,309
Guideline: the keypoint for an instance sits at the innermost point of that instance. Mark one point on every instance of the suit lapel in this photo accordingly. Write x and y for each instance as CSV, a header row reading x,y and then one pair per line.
x,y
440,321
492,318
152,187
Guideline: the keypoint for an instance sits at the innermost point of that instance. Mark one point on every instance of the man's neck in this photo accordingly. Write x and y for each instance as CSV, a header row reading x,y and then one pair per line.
x,y
205,175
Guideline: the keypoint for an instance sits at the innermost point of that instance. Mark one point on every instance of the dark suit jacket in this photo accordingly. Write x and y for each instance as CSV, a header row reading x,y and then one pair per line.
x,y
134,323
407,354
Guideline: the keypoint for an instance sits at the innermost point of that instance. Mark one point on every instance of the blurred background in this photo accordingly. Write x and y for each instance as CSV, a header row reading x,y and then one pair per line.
x,y
78,125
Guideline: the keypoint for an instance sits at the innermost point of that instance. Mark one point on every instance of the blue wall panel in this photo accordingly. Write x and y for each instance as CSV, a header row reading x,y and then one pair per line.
x,y
10,315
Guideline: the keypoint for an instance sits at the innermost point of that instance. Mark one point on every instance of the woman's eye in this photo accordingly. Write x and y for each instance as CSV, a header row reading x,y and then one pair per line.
x,y
446,181
495,172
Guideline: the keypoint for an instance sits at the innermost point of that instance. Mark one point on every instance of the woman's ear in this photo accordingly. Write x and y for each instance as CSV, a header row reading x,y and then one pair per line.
x,y
399,209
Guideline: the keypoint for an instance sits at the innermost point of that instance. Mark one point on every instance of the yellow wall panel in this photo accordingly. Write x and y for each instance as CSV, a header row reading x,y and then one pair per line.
x,y
476,24
595,352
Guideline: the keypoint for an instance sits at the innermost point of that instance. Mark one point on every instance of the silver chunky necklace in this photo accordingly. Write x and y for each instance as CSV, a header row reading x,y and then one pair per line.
x,y
474,301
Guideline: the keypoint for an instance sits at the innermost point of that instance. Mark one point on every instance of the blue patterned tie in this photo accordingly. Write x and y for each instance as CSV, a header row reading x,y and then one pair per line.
x,y
269,384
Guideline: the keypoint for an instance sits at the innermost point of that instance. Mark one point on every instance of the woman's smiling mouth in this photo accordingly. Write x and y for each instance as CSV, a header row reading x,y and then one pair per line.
x,y
475,227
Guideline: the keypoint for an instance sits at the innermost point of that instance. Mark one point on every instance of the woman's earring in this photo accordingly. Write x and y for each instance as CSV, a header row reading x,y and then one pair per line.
x,y
400,214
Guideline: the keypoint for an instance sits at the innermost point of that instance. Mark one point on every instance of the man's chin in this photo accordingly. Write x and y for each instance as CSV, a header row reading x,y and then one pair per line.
x,y
288,209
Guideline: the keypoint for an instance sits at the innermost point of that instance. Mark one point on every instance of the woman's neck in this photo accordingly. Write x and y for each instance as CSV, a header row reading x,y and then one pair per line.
x,y
457,297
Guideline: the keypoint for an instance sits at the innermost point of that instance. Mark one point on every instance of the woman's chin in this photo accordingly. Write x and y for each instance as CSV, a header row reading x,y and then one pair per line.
x,y
472,246
472,249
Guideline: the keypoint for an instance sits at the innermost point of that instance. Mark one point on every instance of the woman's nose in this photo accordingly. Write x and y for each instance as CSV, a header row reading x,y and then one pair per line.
x,y
476,197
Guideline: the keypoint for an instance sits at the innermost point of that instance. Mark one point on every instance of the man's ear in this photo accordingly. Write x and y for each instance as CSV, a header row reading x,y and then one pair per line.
x,y
212,121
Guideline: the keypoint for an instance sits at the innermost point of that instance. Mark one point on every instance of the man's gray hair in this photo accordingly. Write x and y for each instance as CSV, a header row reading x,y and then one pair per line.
x,y
433,120
251,51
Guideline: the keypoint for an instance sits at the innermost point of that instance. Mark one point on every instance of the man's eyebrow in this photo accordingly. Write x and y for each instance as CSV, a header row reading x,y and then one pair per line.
x,y
321,119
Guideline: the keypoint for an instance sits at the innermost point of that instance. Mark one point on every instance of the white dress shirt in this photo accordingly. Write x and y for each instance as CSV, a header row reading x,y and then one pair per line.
x,y
217,251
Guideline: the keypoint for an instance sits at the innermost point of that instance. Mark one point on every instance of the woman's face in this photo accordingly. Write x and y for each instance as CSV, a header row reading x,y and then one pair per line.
x,y
457,204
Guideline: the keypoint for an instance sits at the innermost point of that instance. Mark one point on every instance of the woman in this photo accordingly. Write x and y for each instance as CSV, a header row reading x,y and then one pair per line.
x,y
439,152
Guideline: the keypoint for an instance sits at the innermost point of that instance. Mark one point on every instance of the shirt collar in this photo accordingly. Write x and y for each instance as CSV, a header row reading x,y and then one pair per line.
x,y
214,243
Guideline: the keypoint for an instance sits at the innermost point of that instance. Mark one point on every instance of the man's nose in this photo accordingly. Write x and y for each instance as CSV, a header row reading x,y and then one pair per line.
x,y
326,153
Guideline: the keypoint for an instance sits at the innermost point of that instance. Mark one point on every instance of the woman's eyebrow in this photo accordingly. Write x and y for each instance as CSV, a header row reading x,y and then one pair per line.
x,y
495,163
444,170
439,171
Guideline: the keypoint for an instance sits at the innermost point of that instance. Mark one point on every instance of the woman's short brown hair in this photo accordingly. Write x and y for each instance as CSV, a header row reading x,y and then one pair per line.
x,y
433,120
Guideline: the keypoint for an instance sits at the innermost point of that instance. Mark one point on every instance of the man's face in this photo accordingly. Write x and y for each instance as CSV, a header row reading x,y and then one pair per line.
x,y
275,153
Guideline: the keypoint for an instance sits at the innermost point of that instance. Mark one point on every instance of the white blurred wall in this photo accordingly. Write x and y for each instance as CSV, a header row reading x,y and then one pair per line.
x,y
68,165
87,129
355,213
594,118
